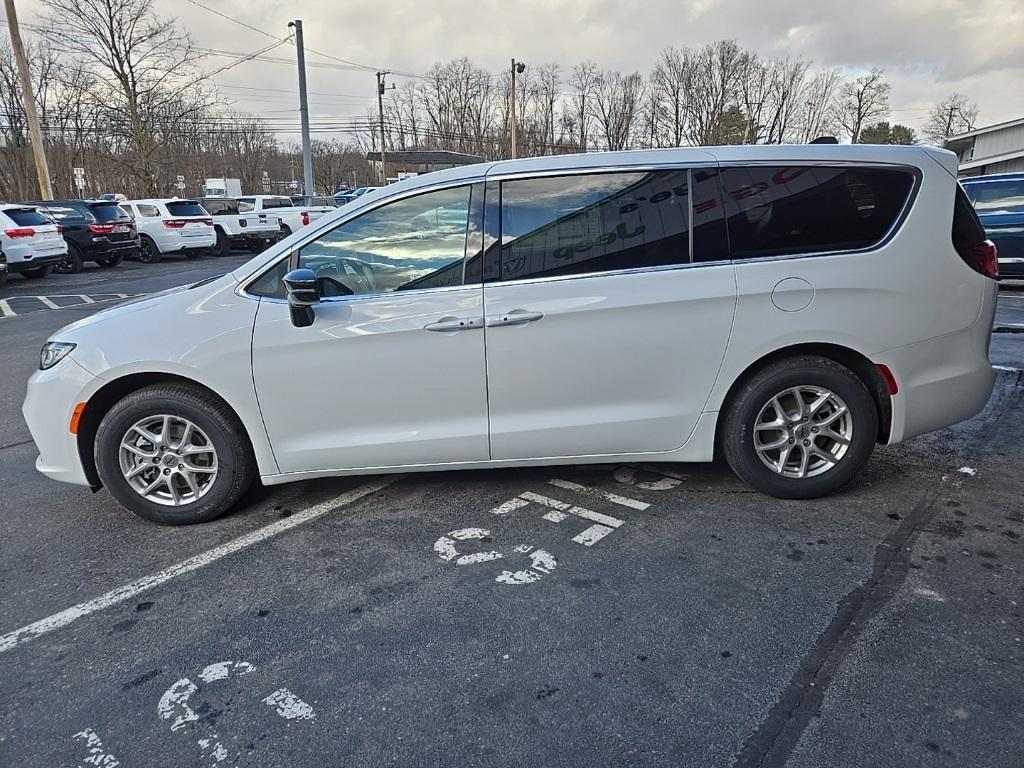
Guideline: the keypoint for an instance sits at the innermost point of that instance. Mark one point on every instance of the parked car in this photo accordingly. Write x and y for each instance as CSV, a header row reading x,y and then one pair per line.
x,y
999,201
95,230
788,306
238,230
292,217
115,197
174,226
30,242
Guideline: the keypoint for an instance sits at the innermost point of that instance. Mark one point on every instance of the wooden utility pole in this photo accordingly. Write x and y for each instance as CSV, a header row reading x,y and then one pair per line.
x,y
380,113
29,101
516,67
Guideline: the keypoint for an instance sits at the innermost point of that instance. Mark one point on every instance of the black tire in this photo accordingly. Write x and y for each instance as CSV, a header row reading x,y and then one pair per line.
x,y
110,261
285,230
72,263
737,428
236,472
3,278
148,252
223,246
38,272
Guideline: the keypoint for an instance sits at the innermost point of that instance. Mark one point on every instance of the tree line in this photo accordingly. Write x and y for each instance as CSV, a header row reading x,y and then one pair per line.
x,y
128,96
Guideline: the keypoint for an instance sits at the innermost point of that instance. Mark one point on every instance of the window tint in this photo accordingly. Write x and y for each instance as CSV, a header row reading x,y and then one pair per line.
x,y
568,225
61,213
148,210
271,283
185,208
27,217
127,210
417,242
106,211
997,196
224,207
246,205
776,210
277,202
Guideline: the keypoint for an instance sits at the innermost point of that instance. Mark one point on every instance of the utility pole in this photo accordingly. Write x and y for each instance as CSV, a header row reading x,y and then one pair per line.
x,y
29,101
520,68
380,113
307,157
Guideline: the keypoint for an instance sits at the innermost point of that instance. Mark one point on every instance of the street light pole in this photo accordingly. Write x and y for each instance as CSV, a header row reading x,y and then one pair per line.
x,y
29,101
380,114
307,155
520,68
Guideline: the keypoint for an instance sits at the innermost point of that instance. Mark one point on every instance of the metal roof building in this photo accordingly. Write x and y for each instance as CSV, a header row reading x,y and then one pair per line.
x,y
995,149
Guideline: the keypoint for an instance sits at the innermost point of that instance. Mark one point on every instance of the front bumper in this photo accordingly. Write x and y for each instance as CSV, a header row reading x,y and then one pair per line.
x,y
49,404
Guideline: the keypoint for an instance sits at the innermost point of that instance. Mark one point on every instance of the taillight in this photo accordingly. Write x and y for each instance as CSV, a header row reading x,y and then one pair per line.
x,y
981,257
207,222
101,229
175,223
60,229
305,218
20,232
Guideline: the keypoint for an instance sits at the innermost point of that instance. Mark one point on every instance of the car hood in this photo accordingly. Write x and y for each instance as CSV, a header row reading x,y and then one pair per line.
x,y
147,302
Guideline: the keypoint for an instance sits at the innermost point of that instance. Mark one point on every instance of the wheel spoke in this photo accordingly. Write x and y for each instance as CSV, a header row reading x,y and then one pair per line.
x,y
186,435
804,458
190,480
801,406
131,448
774,444
770,426
160,480
831,418
823,398
137,470
165,431
175,495
816,451
833,435
195,450
783,459
150,436
200,469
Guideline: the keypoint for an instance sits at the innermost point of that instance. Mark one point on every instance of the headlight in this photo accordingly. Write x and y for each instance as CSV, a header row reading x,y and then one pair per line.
x,y
53,352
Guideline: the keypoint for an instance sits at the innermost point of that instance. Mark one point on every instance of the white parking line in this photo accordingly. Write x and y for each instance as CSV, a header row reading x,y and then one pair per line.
x,y
614,498
127,591
46,301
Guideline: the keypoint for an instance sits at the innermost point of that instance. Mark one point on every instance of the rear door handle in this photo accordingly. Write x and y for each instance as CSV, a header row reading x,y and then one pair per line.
x,y
450,324
514,317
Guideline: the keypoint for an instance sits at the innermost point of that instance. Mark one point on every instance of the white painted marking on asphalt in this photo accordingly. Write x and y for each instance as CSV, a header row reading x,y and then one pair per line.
x,y
86,299
929,594
1007,368
289,706
224,669
545,500
98,757
175,699
5,309
510,506
592,535
47,302
614,498
445,547
968,471
554,516
542,563
130,590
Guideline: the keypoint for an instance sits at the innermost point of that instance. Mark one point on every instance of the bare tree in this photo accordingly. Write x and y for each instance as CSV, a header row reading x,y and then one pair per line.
x,y
579,113
817,107
670,84
954,114
715,84
866,98
617,101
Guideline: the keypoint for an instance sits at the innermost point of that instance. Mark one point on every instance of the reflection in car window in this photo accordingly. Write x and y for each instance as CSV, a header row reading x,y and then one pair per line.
x,y
148,210
246,206
997,196
416,242
62,212
569,225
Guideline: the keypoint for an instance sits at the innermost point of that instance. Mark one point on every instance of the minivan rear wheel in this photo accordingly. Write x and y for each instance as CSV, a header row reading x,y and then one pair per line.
x,y
173,454
800,428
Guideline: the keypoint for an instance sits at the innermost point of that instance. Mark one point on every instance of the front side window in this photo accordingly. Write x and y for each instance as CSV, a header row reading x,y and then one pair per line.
x,y
782,210
246,205
417,242
997,196
570,225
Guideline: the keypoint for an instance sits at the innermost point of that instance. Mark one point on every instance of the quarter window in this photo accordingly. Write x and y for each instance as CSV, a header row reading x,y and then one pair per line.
x,y
416,242
997,196
779,210
570,225
148,210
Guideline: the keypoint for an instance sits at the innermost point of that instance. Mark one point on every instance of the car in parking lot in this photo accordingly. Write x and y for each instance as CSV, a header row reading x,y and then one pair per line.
x,y
238,230
999,200
291,216
95,230
171,226
32,244
784,306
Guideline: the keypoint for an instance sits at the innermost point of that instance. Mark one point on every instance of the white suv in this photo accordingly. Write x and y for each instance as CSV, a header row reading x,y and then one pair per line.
x,y
30,242
789,306
170,227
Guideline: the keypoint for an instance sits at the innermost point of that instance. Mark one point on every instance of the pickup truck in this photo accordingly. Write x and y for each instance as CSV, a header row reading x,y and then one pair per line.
x,y
292,217
247,231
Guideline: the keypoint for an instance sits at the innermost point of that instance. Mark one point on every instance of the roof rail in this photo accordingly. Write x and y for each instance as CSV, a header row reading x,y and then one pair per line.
x,y
824,140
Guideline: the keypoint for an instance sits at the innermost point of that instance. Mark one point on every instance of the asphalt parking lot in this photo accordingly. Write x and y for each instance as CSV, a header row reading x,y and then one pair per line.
x,y
576,616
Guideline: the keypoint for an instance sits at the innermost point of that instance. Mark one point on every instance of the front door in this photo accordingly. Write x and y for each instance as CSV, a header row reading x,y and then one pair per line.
x,y
604,336
391,373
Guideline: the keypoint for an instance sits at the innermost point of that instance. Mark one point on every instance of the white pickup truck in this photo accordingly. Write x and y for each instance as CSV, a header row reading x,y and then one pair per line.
x,y
292,217
246,231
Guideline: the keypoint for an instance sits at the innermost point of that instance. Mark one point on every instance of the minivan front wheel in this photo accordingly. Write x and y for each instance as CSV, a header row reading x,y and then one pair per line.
x,y
173,454
800,428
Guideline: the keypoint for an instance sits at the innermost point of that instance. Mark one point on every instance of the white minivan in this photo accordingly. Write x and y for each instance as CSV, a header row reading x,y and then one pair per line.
x,y
784,306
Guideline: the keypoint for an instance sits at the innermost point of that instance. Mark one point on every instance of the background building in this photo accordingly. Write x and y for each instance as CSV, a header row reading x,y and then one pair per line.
x,y
419,161
995,149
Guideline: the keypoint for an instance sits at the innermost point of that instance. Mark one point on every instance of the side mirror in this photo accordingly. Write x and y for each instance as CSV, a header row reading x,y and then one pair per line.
x,y
303,295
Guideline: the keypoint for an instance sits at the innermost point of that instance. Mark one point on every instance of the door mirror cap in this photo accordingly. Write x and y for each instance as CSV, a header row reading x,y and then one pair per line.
x,y
303,295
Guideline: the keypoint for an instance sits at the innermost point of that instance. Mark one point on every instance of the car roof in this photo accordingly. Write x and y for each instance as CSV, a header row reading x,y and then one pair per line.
x,y
16,206
162,200
1014,176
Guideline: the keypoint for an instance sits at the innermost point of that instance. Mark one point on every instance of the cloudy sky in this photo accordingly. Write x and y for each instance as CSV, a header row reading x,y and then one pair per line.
x,y
928,48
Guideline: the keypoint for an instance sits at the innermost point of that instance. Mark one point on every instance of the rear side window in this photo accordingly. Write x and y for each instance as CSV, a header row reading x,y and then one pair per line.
x,y
185,208
63,213
106,211
27,217
967,229
246,205
148,210
276,202
221,207
570,225
780,210
997,196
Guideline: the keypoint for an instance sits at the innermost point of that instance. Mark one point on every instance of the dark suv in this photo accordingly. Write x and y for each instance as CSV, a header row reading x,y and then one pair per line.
x,y
95,230
999,200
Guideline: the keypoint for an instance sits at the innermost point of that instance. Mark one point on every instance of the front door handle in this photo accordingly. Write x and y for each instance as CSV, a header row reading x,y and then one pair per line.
x,y
514,317
450,324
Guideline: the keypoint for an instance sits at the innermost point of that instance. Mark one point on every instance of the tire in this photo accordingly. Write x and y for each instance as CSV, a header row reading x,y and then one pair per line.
x,y
752,405
110,261
148,252
72,263
223,246
285,230
38,273
3,278
214,425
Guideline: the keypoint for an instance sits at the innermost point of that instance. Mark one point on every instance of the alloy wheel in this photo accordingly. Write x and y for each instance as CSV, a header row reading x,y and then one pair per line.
x,y
168,460
803,432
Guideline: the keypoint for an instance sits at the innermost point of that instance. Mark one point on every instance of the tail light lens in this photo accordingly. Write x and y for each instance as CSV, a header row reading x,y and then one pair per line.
x,y
101,229
969,238
20,232
207,222
60,229
981,257
305,218
175,223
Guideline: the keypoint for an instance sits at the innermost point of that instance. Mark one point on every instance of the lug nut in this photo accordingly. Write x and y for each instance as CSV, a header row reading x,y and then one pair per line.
x,y
814,429
807,442
791,441
167,471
